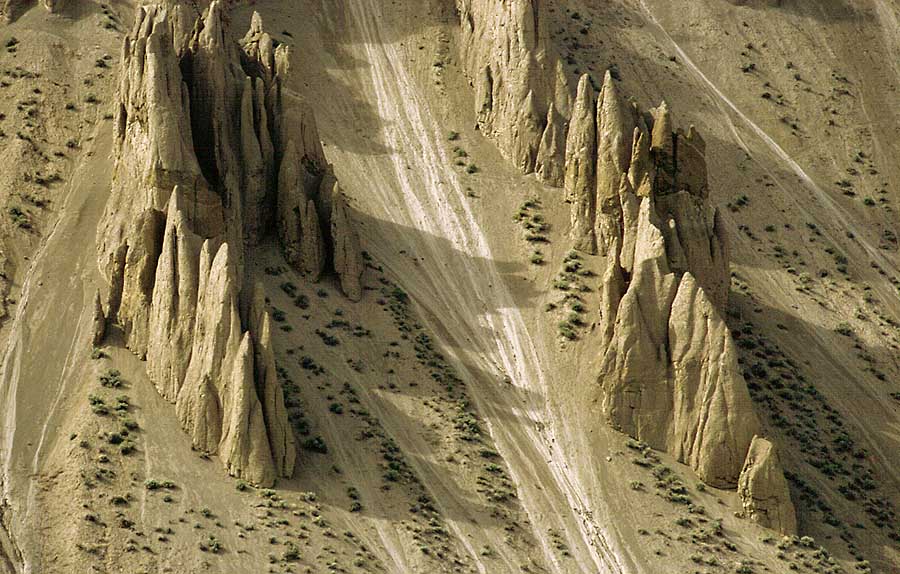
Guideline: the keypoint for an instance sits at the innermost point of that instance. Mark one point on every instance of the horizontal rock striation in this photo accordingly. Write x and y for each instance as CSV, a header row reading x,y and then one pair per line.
x,y
212,151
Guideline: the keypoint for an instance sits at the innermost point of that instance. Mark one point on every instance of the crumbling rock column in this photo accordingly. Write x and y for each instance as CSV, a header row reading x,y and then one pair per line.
x,y
348,261
764,491
98,321
205,164
580,178
616,123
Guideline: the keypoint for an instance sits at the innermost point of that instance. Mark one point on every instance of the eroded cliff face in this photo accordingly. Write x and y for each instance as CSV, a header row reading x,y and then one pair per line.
x,y
212,151
522,95
639,195
668,372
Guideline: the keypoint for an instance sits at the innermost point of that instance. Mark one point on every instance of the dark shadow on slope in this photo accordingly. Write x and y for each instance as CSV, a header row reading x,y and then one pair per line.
x,y
815,250
368,125
822,10
419,441
413,274
824,410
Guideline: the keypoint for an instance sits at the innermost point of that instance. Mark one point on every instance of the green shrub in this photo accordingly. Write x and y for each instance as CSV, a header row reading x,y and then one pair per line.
x,y
98,405
153,484
111,379
844,329
316,444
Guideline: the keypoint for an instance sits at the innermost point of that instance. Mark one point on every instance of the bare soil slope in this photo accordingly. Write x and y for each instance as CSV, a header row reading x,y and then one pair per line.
x,y
442,418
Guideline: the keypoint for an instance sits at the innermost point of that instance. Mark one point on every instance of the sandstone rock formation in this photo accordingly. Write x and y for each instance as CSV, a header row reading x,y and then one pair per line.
x,y
245,447
218,403
764,491
522,102
217,337
517,77
638,192
668,372
551,157
713,416
581,166
154,153
98,321
347,257
174,306
280,435
633,161
207,162
616,124
298,221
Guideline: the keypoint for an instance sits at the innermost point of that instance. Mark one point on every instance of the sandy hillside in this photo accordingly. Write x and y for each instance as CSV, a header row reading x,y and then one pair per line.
x,y
441,286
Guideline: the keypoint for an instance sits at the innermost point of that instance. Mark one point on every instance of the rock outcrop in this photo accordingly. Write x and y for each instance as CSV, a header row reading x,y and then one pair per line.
x,y
713,418
616,123
550,165
348,261
212,152
764,491
98,321
280,435
517,78
201,403
245,447
154,153
174,306
634,161
218,403
668,373
581,167
298,221
639,194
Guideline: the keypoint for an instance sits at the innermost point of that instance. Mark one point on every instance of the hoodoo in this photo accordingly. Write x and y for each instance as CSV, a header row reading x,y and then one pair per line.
x,y
193,194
